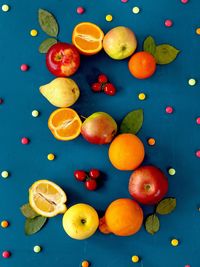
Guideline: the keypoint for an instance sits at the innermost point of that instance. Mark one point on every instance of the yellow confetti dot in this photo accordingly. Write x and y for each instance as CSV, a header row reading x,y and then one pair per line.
x,y
192,82
35,113
142,96
85,264
151,141
174,242
172,171
5,174
33,32
198,31
50,156
4,224
109,17
5,8
136,10
135,259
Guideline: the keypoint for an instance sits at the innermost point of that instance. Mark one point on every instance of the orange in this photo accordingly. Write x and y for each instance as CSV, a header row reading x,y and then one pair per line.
x,y
126,152
124,217
142,65
65,124
87,37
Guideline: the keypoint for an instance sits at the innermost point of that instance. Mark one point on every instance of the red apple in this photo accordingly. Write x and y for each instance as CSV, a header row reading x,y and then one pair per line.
x,y
148,185
62,59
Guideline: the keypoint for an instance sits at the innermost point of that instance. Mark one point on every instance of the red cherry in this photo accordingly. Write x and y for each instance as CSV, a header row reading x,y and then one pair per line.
x,y
91,184
102,78
94,173
80,175
96,87
109,89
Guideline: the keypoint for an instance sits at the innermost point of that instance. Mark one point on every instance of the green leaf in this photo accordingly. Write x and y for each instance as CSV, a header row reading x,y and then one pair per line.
x,y
28,212
165,54
166,206
46,44
48,22
149,45
34,225
132,122
152,224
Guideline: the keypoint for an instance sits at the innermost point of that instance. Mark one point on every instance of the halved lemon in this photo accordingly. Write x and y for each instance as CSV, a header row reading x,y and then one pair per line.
x,y
65,124
47,198
87,37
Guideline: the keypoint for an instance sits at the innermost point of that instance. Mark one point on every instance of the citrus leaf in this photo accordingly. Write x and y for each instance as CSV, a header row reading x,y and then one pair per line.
x,y
132,122
152,224
46,44
165,54
28,212
48,22
34,225
166,206
149,45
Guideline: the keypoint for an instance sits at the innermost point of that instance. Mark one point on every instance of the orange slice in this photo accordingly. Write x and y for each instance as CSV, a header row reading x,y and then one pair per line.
x,y
47,198
87,37
65,124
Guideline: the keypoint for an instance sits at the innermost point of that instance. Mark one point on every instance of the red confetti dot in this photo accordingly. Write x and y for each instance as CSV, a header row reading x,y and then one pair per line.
x,y
187,265
198,120
169,110
6,254
80,10
1,101
124,1
24,67
25,141
185,2
198,153
168,23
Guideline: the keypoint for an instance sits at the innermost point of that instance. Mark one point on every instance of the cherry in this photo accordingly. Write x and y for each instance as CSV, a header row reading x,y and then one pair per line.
x,y
109,89
91,184
94,173
80,175
96,87
102,78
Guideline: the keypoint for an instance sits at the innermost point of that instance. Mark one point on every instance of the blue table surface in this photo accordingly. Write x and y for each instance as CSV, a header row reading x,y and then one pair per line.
x,y
177,135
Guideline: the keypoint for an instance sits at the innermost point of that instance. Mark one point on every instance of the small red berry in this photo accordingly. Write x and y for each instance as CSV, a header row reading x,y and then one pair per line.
x,y
96,87
94,173
91,184
109,89
102,78
80,175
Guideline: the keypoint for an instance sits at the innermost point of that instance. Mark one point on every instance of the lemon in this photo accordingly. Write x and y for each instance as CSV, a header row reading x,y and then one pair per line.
x,y
47,198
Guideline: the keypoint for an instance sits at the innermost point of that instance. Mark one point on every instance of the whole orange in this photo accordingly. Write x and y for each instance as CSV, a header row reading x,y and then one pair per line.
x,y
142,65
124,217
126,152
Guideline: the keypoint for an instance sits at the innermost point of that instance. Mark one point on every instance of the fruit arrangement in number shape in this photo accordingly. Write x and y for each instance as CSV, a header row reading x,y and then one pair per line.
x,y
148,185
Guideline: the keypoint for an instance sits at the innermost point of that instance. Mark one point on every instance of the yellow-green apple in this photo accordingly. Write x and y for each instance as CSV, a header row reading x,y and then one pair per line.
x,y
120,42
80,221
99,128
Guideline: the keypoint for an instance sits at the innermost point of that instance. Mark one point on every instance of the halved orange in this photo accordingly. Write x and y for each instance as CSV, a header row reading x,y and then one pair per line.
x,y
87,37
65,124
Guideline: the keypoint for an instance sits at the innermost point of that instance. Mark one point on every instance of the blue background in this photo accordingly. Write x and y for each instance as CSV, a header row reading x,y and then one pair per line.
x,y
177,135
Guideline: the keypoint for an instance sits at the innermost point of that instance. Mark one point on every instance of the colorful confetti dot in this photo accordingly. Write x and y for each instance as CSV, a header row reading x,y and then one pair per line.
x,y
174,242
198,31
135,259
192,82
142,96
5,8
109,17
187,265
24,67
80,10
172,171
198,153
5,174
124,1
136,10
184,1
33,32
198,120
168,23
35,113
25,141
151,141
1,101
6,254
85,264
169,110
4,224
37,249
50,156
